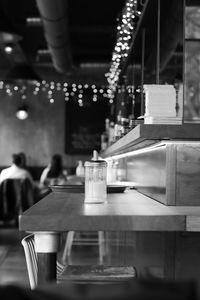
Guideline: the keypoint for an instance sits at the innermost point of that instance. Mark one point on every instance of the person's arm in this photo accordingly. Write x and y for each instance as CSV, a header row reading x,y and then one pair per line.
x,y
44,176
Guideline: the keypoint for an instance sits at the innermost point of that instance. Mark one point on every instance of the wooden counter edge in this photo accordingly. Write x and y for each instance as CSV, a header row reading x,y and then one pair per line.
x,y
193,223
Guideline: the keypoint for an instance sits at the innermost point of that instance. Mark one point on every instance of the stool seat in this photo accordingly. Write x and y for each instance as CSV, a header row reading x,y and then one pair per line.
x,y
97,273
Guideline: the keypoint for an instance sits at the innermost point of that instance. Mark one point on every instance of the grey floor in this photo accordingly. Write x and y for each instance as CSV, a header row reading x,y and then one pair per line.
x,y
12,260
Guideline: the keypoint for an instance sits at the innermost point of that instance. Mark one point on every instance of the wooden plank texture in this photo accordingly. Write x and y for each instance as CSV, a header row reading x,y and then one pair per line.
x,y
123,212
168,172
171,161
188,174
97,273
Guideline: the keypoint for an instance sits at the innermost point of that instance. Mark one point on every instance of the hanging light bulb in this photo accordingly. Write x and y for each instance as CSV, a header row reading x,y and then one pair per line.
x,y
8,49
22,112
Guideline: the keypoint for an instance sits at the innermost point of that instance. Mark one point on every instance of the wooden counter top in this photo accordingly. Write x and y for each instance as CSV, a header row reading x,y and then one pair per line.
x,y
128,211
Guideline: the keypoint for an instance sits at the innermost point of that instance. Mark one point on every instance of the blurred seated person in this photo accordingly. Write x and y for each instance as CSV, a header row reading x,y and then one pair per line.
x,y
16,170
54,173
23,160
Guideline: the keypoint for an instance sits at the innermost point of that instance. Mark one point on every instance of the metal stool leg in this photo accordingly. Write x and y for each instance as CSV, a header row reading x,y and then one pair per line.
x,y
102,246
68,246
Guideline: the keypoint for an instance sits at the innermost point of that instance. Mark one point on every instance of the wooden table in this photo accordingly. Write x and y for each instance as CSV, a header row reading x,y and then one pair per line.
x,y
128,211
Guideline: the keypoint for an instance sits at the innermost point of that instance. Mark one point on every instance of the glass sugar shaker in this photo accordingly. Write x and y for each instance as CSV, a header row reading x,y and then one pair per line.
x,y
95,180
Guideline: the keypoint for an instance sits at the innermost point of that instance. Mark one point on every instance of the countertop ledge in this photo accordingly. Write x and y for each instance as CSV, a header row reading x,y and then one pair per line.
x,y
126,211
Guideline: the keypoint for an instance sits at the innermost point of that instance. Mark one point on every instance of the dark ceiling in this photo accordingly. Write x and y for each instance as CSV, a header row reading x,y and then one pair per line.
x,y
91,30
87,36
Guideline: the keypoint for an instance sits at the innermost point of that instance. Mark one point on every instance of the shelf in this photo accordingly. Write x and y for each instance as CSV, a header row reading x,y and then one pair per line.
x,y
146,135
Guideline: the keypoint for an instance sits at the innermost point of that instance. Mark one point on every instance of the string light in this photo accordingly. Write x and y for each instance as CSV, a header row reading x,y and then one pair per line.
x,y
125,29
70,92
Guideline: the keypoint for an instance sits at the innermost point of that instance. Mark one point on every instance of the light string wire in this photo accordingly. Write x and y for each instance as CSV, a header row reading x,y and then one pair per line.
x,y
51,90
125,32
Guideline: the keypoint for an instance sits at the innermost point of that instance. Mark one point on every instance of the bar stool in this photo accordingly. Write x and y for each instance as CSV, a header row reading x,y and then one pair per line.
x,y
83,274
75,238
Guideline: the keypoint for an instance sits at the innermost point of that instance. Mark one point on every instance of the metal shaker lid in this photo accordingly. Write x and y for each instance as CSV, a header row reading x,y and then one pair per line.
x,y
96,163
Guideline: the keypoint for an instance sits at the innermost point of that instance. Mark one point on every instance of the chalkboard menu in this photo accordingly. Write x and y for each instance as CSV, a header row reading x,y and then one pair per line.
x,y
84,125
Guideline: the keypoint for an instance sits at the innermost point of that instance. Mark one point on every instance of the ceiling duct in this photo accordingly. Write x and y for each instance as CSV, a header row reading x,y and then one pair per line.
x,y
55,23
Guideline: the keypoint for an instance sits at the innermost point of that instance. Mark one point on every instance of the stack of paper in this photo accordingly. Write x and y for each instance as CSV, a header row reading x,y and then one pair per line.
x,y
160,104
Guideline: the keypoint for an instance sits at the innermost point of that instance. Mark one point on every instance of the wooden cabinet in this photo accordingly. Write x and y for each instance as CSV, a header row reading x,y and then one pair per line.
x,y
169,173
163,161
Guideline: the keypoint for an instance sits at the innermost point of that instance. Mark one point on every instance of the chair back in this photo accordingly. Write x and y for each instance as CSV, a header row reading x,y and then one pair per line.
x,y
16,195
28,244
31,259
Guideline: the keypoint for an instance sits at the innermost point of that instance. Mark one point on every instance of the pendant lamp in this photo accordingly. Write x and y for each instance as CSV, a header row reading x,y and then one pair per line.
x,y
22,112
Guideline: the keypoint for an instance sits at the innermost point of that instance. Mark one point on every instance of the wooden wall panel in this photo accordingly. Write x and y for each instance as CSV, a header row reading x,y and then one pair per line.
x,y
188,174
171,165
